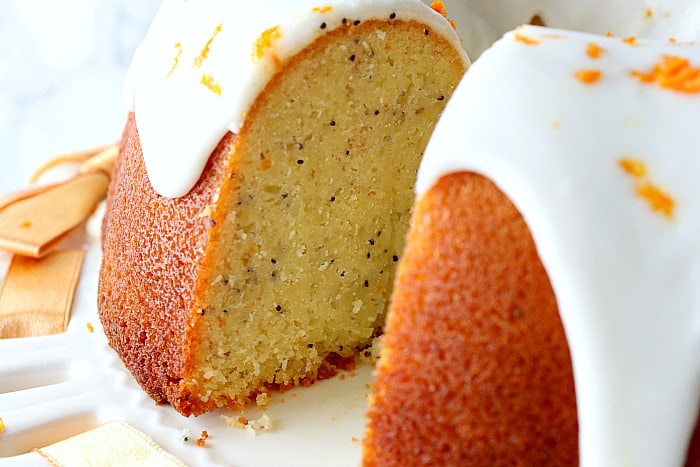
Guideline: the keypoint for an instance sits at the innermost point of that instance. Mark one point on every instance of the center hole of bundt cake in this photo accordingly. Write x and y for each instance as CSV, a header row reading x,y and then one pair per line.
x,y
322,187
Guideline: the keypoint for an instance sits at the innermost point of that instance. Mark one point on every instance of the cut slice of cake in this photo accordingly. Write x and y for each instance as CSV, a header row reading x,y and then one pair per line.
x,y
263,190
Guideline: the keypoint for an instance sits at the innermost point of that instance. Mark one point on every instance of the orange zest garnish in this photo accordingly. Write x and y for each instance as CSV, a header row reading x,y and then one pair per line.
x,y
589,76
266,41
525,39
439,6
322,9
649,13
176,60
211,84
672,72
631,40
594,51
634,167
199,59
658,200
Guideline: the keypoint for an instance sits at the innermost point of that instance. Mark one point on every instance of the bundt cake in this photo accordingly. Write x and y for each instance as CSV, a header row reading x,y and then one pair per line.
x,y
546,310
263,189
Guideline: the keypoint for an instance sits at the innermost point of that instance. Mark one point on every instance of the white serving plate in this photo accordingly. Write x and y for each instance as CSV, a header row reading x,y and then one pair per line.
x,y
57,386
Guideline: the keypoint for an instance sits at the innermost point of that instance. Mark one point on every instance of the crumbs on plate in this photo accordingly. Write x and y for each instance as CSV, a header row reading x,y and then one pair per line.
x,y
252,427
262,400
202,440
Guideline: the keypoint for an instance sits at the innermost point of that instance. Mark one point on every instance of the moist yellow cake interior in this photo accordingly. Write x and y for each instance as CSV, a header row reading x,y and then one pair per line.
x,y
314,220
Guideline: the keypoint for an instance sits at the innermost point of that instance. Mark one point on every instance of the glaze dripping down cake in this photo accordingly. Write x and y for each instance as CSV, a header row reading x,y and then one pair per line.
x,y
546,306
263,190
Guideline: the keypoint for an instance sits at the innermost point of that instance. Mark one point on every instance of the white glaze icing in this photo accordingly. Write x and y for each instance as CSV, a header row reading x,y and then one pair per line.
x,y
180,120
481,22
626,277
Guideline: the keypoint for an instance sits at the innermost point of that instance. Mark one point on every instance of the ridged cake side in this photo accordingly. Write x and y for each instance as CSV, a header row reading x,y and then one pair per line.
x,y
152,253
475,368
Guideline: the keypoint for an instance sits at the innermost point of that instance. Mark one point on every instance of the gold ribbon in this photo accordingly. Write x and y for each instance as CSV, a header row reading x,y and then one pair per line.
x,y
36,295
35,220
111,444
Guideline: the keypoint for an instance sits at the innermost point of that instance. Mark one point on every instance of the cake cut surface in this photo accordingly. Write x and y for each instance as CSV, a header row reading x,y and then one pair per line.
x,y
279,263
306,237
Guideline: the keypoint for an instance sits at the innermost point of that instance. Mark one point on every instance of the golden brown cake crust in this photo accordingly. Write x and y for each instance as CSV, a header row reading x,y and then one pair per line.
x,y
475,368
152,249
475,365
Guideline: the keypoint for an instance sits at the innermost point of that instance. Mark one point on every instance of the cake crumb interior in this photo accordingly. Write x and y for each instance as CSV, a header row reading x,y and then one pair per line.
x,y
311,228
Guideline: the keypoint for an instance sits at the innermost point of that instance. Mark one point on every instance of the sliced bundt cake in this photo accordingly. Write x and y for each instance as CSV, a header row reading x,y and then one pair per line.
x,y
263,189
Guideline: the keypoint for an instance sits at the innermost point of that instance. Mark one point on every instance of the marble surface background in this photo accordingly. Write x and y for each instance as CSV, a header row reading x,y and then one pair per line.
x,y
61,70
